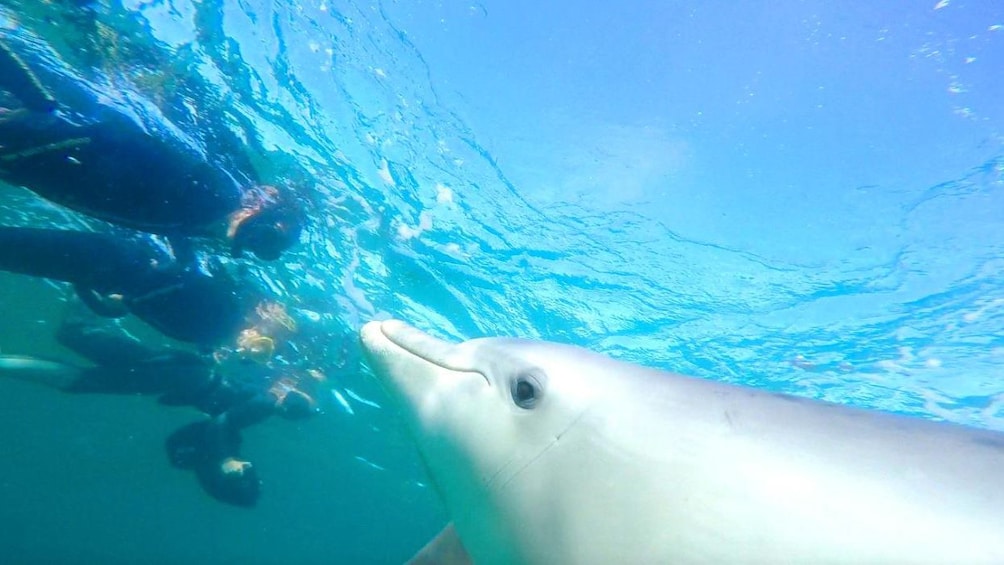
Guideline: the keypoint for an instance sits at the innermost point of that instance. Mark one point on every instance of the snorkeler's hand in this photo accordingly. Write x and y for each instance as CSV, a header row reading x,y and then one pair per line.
x,y
232,481
231,466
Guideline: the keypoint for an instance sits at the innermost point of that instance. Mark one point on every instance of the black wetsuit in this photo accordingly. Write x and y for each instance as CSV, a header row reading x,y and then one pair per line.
x,y
178,297
118,159
123,365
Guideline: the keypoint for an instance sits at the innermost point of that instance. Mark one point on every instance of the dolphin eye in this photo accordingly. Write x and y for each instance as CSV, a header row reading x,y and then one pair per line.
x,y
526,390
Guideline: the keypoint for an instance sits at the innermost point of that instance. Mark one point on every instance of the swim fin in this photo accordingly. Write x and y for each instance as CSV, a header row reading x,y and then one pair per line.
x,y
42,371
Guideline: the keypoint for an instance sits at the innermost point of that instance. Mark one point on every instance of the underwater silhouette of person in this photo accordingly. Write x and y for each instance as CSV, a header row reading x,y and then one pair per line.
x,y
116,157
138,273
233,398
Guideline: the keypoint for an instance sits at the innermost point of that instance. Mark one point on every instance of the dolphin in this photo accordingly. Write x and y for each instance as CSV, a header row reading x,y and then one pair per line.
x,y
552,454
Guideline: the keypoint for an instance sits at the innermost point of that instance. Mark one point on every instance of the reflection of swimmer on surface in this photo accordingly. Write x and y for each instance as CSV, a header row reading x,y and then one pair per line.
x,y
122,161
234,397
132,273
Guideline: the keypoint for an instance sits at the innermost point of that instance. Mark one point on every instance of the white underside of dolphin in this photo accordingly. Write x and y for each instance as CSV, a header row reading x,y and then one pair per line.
x,y
552,454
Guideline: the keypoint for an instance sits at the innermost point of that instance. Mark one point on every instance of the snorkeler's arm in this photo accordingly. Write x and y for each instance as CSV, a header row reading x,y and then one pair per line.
x,y
107,306
252,411
16,77
222,434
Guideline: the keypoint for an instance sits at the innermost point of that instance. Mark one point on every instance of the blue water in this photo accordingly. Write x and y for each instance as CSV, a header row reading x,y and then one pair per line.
x,y
804,198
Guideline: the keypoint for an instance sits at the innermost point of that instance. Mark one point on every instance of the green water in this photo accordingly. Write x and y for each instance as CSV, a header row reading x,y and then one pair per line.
x,y
84,479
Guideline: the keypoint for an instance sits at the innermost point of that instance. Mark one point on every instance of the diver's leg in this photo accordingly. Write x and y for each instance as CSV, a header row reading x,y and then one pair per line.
x,y
91,260
103,344
125,365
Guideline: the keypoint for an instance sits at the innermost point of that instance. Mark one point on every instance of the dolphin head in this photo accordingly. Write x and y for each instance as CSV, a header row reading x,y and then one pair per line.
x,y
481,412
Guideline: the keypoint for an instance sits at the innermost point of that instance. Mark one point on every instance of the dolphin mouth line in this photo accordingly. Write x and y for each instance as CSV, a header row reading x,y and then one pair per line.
x,y
428,348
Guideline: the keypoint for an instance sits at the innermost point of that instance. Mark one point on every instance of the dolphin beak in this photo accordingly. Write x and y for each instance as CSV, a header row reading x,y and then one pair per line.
x,y
439,352
421,371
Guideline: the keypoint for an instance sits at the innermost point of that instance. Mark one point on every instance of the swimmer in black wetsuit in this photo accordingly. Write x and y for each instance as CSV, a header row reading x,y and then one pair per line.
x,y
233,401
133,273
120,160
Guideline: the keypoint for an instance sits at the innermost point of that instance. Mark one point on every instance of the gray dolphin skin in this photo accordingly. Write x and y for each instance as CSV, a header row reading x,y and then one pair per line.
x,y
551,454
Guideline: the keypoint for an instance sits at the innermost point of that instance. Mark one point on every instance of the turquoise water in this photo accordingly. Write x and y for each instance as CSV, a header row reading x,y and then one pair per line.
x,y
805,199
